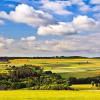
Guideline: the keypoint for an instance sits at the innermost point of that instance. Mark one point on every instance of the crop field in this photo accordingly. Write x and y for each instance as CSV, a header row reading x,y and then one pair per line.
x,y
65,67
83,92
84,87
79,67
49,95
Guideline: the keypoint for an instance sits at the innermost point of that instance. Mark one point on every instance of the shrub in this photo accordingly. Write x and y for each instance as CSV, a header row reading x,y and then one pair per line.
x,y
18,85
52,87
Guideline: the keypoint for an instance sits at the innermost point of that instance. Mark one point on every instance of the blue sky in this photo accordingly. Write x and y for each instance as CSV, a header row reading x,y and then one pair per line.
x,y
49,27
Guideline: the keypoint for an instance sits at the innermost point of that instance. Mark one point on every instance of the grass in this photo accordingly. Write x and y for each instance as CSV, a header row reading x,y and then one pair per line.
x,y
49,95
67,68
81,74
82,67
86,92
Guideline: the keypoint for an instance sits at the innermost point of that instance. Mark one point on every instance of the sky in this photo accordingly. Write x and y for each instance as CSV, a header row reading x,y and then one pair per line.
x,y
50,28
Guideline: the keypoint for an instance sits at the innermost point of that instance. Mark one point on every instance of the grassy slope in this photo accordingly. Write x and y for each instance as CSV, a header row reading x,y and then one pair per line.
x,y
81,74
49,95
68,67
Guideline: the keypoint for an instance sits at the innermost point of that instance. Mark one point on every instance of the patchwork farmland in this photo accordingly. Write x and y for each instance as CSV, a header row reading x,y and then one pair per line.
x,y
78,67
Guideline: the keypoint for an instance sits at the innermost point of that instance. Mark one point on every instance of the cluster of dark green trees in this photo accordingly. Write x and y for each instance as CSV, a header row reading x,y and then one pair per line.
x,y
89,80
32,77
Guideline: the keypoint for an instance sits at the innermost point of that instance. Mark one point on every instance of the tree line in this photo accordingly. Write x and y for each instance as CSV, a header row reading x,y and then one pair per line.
x,y
89,80
48,57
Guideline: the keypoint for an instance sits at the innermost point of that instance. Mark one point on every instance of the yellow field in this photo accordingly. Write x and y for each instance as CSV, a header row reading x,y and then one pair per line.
x,y
82,65
84,87
49,95
94,62
70,67
77,67
91,62
85,92
69,63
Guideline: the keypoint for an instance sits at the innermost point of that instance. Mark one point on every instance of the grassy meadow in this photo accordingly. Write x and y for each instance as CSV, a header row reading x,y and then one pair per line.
x,y
84,67
79,67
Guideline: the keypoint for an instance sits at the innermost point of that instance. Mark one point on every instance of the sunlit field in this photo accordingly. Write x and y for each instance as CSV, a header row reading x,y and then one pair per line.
x,y
49,49
84,87
79,67
65,67
49,95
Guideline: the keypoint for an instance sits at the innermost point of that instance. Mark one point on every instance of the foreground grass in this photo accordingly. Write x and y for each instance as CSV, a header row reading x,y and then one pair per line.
x,y
49,95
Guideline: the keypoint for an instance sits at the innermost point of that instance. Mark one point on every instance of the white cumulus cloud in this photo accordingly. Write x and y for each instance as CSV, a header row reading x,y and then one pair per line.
x,y
57,7
5,41
28,15
30,38
79,24
85,24
58,29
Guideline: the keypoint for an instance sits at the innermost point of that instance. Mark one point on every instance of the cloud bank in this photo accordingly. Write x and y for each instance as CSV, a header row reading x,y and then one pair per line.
x,y
54,35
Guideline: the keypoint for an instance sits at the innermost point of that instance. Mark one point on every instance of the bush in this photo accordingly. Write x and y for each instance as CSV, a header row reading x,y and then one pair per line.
x,y
18,85
4,84
51,87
